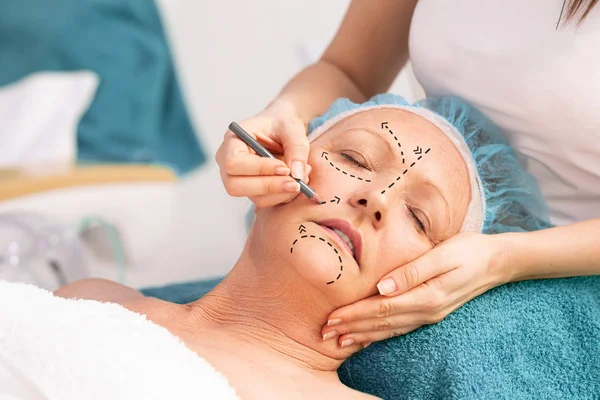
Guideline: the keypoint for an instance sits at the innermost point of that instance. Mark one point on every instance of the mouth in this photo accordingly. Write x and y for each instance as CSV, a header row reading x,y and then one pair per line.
x,y
347,237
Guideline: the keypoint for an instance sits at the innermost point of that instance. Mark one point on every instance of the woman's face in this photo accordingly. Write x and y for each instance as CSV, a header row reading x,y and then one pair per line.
x,y
393,186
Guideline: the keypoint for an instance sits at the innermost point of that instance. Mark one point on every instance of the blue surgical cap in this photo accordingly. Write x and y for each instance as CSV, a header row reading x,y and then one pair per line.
x,y
513,201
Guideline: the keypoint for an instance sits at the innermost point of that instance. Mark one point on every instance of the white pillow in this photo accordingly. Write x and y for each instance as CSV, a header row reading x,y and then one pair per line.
x,y
39,117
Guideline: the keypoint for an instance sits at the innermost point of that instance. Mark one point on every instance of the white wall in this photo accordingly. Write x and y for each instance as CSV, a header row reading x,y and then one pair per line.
x,y
233,58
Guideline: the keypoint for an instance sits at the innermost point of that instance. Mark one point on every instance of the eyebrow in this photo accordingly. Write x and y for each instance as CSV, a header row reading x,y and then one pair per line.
x,y
376,134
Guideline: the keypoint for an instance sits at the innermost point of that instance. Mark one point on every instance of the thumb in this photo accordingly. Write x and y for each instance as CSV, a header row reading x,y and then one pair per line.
x,y
411,275
292,136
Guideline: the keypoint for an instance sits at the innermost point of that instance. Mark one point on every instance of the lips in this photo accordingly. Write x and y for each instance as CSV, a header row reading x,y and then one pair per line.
x,y
347,233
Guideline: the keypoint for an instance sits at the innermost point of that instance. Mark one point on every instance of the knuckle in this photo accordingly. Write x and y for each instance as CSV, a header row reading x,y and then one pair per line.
x,y
260,201
302,145
229,164
344,330
289,124
383,325
273,186
411,275
228,134
435,318
435,300
384,308
267,168
397,332
232,188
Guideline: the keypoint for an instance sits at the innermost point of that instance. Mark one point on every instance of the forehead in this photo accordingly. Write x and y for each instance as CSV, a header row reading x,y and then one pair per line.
x,y
406,122
397,125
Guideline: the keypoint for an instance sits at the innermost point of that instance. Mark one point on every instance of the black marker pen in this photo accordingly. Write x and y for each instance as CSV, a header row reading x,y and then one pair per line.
x,y
260,150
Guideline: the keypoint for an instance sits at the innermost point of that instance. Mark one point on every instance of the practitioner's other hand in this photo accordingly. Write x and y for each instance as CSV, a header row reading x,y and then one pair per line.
x,y
426,290
266,181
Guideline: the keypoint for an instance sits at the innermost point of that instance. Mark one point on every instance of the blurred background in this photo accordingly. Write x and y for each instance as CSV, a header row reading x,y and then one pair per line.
x,y
111,112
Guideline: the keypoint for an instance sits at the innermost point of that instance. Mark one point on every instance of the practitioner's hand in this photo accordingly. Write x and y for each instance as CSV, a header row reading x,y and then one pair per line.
x,y
266,181
426,290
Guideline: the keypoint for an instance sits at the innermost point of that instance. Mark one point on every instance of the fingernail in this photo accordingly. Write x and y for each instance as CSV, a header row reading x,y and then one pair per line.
x,y
330,335
386,286
308,171
334,321
366,344
347,342
298,169
282,171
291,186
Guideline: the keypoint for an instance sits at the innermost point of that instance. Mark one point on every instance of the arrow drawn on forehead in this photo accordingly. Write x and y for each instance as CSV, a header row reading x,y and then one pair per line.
x,y
418,151
384,125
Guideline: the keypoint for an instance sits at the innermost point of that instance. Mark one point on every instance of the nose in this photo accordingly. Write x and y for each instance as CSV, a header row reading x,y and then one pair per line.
x,y
373,204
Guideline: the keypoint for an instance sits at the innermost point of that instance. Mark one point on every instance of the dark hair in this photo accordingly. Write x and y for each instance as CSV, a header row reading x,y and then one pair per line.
x,y
575,6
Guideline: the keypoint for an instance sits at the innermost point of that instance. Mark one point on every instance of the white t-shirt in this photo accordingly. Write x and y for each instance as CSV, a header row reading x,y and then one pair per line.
x,y
540,84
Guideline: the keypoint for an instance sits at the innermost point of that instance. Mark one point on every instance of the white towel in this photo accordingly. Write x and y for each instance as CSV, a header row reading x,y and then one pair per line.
x,y
64,349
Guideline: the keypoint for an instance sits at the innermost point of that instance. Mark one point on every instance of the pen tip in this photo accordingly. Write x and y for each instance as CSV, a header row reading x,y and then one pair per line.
x,y
316,199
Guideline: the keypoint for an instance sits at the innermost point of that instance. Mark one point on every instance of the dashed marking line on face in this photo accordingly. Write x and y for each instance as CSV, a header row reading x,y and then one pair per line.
x,y
325,155
329,244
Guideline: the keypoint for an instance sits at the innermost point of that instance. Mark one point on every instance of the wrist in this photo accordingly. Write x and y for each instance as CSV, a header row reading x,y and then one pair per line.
x,y
522,255
509,256
283,108
281,104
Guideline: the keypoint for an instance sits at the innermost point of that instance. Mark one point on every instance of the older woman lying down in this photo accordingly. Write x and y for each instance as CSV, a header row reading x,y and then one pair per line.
x,y
395,180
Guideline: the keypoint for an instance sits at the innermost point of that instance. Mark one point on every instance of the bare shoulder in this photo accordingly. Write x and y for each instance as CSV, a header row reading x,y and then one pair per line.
x,y
112,292
98,289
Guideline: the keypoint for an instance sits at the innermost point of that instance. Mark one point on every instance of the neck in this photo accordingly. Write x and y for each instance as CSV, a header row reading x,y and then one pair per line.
x,y
267,307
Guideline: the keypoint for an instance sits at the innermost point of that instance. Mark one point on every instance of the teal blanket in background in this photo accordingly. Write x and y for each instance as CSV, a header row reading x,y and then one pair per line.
x,y
138,114
526,340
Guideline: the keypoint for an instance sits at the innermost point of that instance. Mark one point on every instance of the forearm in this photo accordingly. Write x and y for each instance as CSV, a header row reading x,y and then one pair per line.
x,y
363,59
311,92
572,250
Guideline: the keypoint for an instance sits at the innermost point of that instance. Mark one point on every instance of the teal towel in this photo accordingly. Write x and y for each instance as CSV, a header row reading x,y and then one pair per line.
x,y
527,340
182,293
138,114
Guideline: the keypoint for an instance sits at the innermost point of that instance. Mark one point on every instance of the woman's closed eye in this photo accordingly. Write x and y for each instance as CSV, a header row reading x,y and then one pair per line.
x,y
418,222
356,159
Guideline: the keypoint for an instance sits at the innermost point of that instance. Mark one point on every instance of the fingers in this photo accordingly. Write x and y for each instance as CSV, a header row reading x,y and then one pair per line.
x,y
379,307
260,185
365,339
367,328
291,133
410,275
271,200
265,180
274,199
252,165
380,317
235,158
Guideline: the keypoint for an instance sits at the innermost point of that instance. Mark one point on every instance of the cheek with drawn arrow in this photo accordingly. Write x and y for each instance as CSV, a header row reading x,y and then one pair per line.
x,y
335,252
335,200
